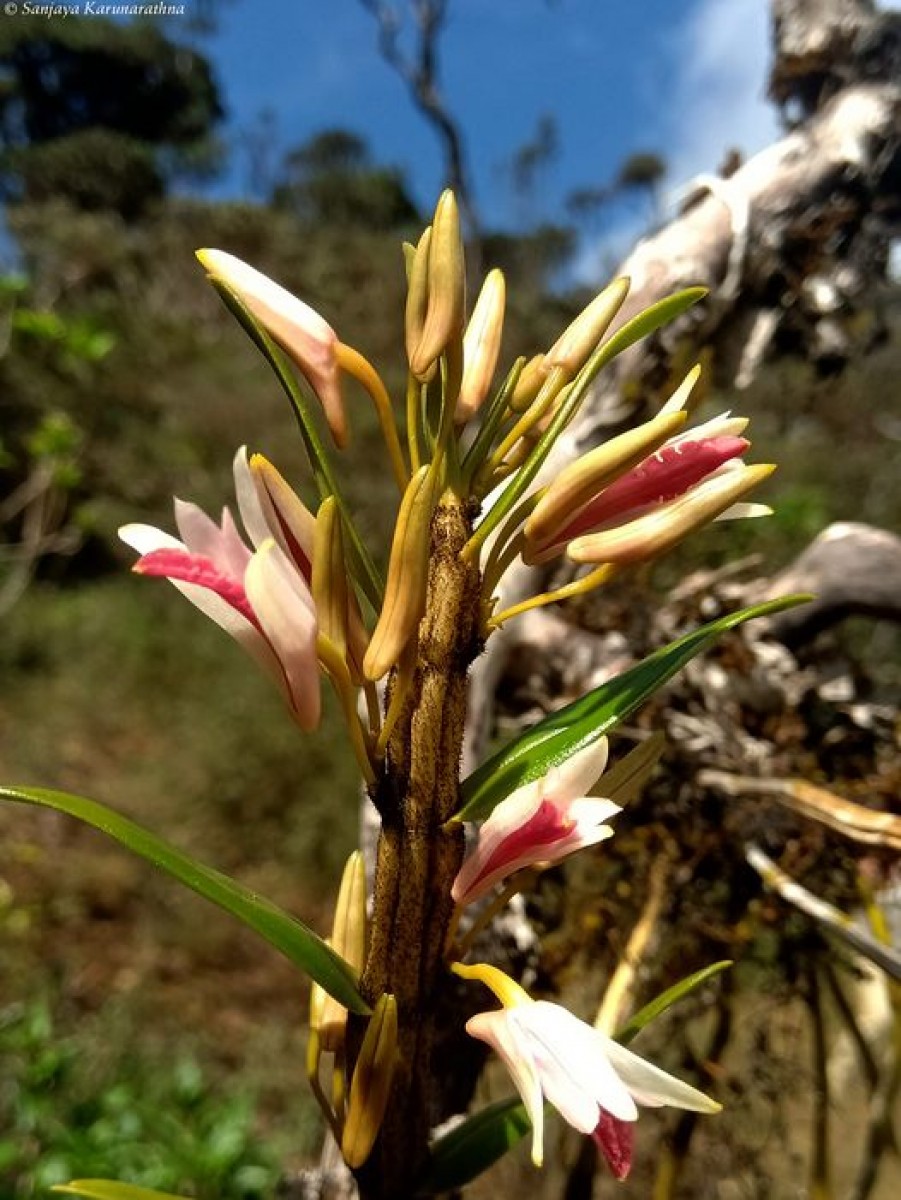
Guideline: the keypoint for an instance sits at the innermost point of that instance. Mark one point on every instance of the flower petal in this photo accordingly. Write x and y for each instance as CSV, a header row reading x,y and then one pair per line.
x,y
493,1028
249,505
578,1051
146,539
221,544
651,1086
284,609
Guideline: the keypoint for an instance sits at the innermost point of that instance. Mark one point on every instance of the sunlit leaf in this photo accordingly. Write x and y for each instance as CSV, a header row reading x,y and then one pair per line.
x,y
570,729
474,1145
666,999
111,1189
297,942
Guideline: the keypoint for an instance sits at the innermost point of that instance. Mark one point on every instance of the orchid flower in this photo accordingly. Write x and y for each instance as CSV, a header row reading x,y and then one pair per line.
x,y
260,596
595,1083
608,507
541,822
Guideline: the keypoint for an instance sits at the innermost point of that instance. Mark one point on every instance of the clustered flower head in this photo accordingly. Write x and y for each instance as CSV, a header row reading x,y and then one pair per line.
x,y
303,595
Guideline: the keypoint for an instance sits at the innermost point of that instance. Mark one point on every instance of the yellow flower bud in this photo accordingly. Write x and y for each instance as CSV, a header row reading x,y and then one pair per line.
x,y
578,341
329,583
349,940
530,382
446,287
407,576
659,530
481,345
417,294
370,1086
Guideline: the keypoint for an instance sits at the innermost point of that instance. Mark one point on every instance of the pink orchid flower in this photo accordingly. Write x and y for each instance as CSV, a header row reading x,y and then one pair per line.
x,y
259,597
595,1083
691,478
541,822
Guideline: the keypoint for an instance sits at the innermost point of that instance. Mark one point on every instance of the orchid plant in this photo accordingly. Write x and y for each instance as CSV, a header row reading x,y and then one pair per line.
x,y
300,591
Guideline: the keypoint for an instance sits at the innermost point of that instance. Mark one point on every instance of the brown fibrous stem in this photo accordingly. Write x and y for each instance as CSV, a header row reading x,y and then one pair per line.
x,y
419,854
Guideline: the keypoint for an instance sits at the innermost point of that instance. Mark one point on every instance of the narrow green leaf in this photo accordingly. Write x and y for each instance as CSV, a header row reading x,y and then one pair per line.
x,y
320,462
294,939
475,1145
111,1189
666,999
568,730
645,323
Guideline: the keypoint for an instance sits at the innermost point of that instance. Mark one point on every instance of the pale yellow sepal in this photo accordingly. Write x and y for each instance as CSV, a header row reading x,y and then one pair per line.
x,y
407,576
445,312
659,530
370,1086
481,346
582,480
574,346
349,940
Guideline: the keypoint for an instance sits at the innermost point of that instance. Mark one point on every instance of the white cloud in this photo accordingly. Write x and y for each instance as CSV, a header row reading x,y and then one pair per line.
x,y
715,94
712,97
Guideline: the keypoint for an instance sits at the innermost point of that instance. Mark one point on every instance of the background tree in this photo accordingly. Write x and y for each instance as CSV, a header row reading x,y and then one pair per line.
x,y
420,70
331,179
102,113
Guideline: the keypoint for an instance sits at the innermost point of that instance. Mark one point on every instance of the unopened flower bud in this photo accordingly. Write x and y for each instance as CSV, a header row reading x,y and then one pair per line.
x,y
370,1086
417,265
329,584
481,346
405,588
300,330
578,341
445,312
659,530
531,381
349,940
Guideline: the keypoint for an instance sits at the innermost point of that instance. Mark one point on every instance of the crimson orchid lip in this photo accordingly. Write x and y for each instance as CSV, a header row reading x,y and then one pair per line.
x,y
542,822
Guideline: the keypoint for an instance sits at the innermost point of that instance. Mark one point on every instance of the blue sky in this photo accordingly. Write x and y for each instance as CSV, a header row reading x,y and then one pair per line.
x,y
684,78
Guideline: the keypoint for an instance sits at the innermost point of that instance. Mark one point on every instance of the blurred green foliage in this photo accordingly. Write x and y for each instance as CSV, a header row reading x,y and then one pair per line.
x,y
157,1124
101,112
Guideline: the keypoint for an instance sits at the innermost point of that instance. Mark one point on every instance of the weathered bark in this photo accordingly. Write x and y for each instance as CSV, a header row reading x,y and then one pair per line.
x,y
791,246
